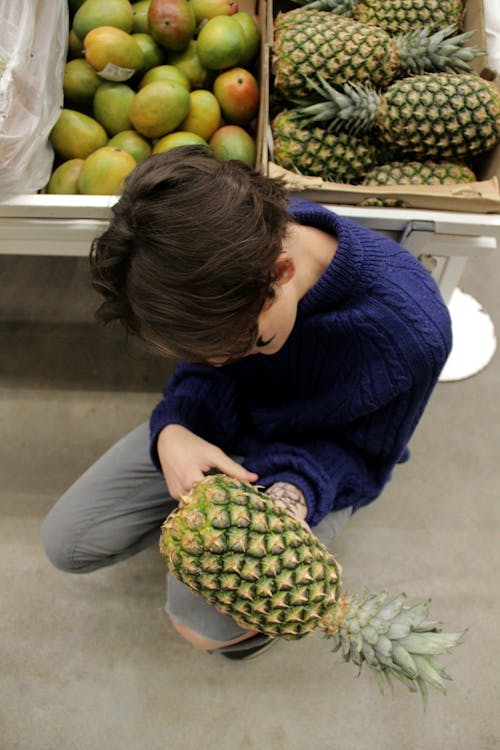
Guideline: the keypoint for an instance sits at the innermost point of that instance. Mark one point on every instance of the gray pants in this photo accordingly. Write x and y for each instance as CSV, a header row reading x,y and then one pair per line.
x,y
116,508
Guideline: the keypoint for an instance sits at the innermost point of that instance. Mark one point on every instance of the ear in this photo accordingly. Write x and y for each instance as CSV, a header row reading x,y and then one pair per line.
x,y
284,267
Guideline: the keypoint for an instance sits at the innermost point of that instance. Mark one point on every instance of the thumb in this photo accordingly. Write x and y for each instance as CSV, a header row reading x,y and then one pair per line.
x,y
236,470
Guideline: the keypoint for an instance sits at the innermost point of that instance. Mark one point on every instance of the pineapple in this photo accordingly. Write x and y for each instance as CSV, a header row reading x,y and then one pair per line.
x,y
308,42
337,157
396,16
442,115
419,173
249,558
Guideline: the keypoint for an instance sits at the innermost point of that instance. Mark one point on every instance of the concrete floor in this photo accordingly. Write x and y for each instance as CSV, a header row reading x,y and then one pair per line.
x,y
91,662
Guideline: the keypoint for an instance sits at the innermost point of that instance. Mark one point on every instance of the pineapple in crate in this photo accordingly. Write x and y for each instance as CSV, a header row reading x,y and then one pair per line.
x,y
396,16
231,544
355,77
310,42
315,151
443,115
434,116
419,173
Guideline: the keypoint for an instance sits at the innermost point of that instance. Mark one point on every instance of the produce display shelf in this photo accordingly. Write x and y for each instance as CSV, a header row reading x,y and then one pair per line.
x,y
62,225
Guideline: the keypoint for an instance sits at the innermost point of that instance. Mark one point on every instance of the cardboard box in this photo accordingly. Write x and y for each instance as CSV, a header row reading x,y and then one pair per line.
x,y
477,197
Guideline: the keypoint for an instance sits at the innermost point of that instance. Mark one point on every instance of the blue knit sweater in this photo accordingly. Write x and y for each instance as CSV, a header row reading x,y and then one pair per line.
x,y
332,412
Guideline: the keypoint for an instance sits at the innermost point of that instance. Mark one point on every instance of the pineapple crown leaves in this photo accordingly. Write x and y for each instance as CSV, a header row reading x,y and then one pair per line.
x,y
422,49
394,640
354,108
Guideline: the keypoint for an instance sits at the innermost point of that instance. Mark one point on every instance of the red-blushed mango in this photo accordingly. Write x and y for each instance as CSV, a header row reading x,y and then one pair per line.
x,y
104,171
76,135
172,23
237,92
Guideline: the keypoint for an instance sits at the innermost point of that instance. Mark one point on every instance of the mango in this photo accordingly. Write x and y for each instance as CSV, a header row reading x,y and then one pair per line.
x,y
210,8
114,54
133,143
152,52
165,73
94,13
189,63
80,82
75,45
76,136
64,179
140,11
172,23
179,138
111,105
104,171
159,108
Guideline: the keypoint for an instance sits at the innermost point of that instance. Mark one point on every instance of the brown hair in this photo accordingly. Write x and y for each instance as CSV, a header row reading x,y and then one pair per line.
x,y
187,261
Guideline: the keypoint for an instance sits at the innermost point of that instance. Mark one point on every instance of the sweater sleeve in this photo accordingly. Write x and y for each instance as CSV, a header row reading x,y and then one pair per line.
x,y
349,465
200,398
335,472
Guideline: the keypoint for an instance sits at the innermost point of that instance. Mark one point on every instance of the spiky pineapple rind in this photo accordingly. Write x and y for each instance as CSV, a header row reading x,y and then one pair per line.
x,y
304,578
434,115
314,151
299,589
419,173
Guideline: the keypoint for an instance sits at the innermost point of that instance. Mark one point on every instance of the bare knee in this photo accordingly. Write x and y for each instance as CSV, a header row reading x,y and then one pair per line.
x,y
202,643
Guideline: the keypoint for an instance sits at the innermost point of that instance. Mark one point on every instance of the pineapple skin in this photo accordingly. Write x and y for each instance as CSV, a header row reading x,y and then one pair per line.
x,y
444,115
400,16
447,116
250,559
308,42
419,173
253,561
314,151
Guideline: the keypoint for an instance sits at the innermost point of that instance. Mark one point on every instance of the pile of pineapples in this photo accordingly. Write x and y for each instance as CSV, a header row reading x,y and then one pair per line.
x,y
250,559
379,92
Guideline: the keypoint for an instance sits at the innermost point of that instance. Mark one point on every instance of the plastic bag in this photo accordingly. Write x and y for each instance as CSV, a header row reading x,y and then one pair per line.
x,y
33,47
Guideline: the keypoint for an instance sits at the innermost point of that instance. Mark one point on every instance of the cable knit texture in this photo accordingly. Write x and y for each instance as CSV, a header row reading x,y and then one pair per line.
x,y
332,411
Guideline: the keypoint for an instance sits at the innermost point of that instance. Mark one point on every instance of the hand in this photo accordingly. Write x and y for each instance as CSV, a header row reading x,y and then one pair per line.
x,y
185,458
289,497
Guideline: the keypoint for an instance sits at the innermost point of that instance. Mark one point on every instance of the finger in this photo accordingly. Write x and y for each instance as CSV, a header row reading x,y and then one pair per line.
x,y
236,470
182,486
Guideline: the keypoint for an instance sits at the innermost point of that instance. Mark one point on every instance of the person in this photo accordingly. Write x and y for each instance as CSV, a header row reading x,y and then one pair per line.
x,y
307,346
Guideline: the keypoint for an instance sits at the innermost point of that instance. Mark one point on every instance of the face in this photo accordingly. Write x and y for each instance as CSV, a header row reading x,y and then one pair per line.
x,y
276,321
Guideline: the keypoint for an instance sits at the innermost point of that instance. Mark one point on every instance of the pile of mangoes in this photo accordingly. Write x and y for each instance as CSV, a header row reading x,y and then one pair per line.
x,y
148,76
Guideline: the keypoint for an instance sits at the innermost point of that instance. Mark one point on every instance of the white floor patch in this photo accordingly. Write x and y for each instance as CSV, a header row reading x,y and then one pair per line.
x,y
474,340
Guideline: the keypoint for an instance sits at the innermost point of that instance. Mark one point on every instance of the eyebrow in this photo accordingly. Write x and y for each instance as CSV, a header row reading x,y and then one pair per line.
x,y
260,341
